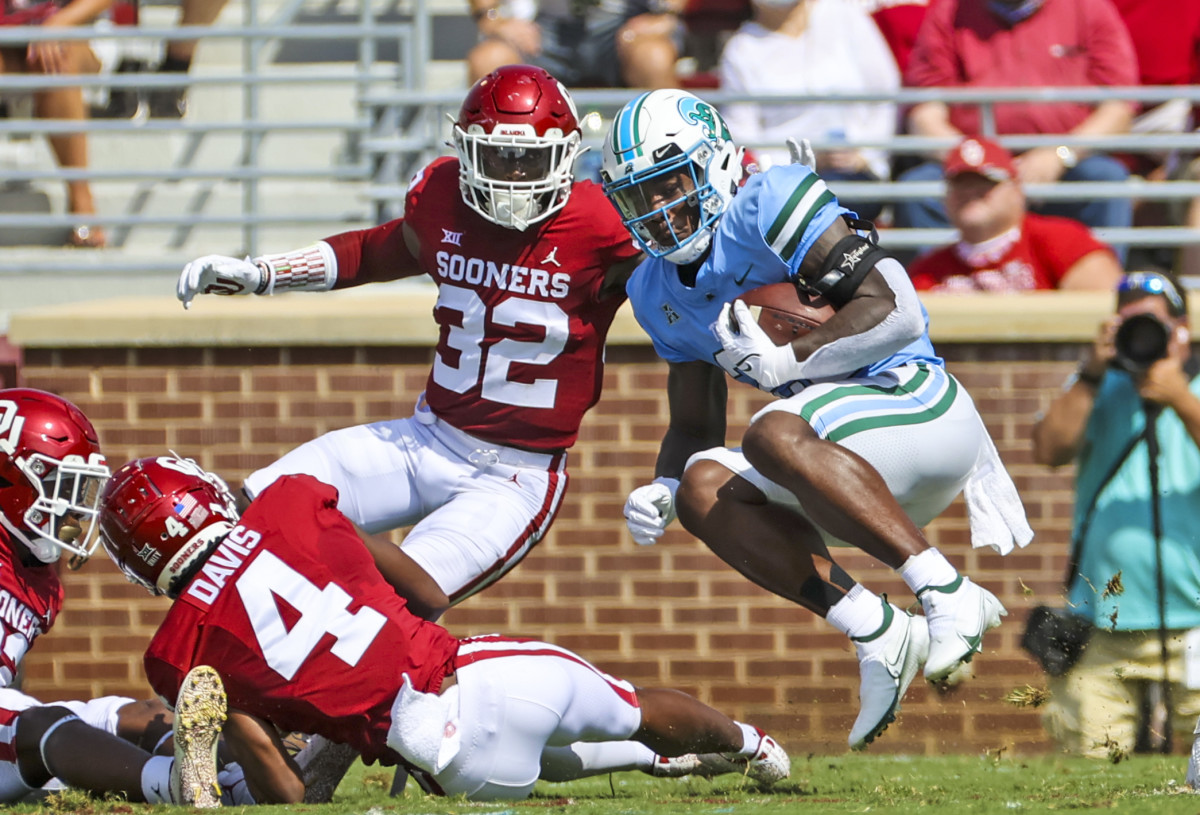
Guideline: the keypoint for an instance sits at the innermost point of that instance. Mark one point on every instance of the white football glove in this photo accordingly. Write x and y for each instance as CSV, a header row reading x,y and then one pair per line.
x,y
802,153
649,510
750,354
218,274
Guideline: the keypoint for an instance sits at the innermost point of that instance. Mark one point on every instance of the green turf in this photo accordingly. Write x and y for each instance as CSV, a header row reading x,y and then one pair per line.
x,y
819,784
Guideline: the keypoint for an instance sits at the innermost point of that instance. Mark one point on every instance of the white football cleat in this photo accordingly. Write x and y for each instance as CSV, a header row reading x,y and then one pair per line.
x,y
768,764
888,661
200,711
674,766
959,614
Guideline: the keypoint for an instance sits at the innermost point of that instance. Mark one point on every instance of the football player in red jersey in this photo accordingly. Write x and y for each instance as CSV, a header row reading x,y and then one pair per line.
x,y
290,608
51,474
530,266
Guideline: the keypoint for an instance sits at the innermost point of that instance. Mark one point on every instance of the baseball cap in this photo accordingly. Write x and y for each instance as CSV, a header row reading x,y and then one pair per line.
x,y
979,155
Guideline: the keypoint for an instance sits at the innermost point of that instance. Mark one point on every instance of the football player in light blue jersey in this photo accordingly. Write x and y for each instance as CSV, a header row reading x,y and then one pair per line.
x,y
872,437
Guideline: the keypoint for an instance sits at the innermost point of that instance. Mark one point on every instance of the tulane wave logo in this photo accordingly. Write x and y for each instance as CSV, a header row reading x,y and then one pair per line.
x,y
705,115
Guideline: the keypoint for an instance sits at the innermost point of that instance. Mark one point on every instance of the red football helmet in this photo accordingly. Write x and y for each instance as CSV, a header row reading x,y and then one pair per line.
x,y
51,472
159,516
517,137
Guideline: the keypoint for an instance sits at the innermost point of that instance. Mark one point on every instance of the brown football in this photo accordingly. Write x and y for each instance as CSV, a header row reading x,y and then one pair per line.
x,y
784,312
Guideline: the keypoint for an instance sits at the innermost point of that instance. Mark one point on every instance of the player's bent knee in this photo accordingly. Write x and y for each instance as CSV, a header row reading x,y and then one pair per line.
x,y
33,723
775,436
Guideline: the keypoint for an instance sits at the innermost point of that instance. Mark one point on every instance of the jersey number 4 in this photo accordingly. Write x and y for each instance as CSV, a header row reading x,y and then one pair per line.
x,y
492,375
322,611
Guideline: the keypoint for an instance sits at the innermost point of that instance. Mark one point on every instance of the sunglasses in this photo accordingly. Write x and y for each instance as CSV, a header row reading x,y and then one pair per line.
x,y
1153,283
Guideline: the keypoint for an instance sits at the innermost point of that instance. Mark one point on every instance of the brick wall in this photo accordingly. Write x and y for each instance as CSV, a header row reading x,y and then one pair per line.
x,y
666,615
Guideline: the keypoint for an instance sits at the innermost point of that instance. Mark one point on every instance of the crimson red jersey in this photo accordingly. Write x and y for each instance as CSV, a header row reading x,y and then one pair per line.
x,y
521,314
30,599
1041,256
305,633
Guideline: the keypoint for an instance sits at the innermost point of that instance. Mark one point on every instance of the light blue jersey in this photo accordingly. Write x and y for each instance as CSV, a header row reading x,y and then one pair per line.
x,y
762,238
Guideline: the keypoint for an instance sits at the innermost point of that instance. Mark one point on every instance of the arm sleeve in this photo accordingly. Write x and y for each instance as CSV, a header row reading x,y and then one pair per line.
x,y
905,324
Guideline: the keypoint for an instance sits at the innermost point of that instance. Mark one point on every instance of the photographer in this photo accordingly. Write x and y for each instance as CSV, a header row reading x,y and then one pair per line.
x,y
1130,419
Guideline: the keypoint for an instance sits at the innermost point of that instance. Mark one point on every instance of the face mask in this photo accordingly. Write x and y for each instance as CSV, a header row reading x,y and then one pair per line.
x,y
1014,12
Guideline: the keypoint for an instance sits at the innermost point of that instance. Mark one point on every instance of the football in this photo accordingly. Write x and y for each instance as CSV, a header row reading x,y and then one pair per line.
x,y
784,312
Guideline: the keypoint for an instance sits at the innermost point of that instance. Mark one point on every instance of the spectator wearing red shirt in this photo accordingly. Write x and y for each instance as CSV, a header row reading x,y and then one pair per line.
x,y
1003,247
1026,44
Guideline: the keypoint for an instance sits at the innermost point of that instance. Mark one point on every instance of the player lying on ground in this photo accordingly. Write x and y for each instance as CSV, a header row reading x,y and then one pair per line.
x,y
290,609
51,472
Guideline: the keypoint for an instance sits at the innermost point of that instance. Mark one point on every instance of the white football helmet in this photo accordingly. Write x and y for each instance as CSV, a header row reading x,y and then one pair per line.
x,y
517,137
671,169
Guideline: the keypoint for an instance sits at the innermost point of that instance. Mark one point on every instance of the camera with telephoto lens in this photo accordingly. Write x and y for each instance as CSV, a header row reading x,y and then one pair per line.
x,y
1141,341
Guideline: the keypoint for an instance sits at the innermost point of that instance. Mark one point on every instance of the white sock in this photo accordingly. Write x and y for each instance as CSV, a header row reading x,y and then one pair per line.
x,y
156,780
857,614
750,739
582,759
930,568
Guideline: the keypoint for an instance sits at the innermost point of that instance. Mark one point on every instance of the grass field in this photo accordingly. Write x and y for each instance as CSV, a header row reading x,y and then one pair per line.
x,y
835,784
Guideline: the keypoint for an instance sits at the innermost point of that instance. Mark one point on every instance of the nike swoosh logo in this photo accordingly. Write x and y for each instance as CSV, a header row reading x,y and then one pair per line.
x,y
740,280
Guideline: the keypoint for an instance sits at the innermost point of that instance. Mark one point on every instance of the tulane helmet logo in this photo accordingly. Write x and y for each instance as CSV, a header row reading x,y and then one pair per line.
x,y
705,115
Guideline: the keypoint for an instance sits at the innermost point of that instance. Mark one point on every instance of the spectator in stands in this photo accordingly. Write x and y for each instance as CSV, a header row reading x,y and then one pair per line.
x,y
622,43
171,103
898,21
66,57
797,47
1002,246
1026,44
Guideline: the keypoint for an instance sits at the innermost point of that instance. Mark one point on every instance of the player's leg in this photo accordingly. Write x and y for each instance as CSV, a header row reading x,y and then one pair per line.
x,y
146,723
518,493
373,466
777,547
587,758
871,461
516,698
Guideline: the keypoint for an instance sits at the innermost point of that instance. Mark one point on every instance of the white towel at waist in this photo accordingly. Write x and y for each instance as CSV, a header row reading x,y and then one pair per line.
x,y
994,509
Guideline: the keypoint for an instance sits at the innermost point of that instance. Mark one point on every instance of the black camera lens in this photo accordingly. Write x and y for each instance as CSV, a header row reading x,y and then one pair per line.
x,y
1141,341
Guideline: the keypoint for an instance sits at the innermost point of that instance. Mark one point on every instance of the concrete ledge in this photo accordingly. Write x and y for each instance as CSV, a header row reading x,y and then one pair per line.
x,y
385,315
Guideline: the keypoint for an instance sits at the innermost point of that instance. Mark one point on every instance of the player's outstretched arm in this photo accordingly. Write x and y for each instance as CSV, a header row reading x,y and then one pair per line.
x,y
313,268
272,775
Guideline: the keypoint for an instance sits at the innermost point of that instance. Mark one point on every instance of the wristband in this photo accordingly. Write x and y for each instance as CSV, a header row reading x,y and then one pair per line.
x,y
313,268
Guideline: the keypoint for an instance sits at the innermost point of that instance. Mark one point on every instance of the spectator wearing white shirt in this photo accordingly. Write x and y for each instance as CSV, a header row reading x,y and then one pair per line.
x,y
819,47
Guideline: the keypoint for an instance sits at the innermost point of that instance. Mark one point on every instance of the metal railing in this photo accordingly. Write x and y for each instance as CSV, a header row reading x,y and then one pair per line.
x,y
243,189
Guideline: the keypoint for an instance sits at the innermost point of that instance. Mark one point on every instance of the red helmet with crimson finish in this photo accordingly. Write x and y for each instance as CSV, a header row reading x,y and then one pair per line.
x,y
517,137
51,472
160,516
